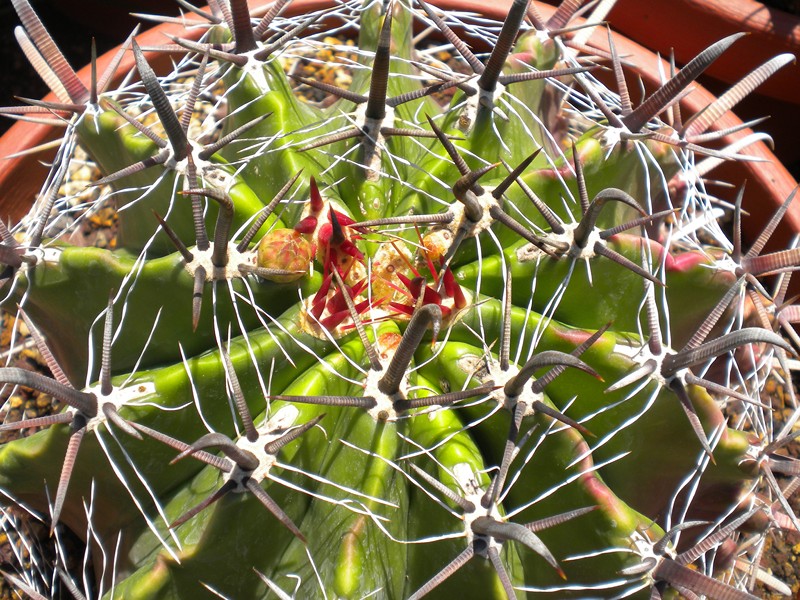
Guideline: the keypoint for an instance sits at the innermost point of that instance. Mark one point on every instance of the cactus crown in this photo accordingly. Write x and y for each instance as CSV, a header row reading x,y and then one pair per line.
x,y
382,344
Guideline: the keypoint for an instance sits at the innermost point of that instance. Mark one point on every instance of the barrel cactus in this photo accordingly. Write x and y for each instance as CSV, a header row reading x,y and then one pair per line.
x,y
459,327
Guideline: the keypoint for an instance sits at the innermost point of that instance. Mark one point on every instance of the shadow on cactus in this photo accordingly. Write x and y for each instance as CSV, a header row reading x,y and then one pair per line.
x,y
382,347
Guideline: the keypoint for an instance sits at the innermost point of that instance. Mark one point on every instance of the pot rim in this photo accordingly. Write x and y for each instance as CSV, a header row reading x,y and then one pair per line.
x,y
771,31
769,182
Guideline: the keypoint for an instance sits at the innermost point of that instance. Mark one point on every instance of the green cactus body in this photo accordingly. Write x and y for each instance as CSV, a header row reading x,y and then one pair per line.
x,y
51,299
387,348
115,145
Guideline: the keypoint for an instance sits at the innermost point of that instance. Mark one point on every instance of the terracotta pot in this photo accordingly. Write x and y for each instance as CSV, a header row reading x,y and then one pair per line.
x,y
21,178
700,23
769,183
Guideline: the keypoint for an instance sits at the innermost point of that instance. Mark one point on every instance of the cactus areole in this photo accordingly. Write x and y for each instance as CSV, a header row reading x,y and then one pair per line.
x,y
424,323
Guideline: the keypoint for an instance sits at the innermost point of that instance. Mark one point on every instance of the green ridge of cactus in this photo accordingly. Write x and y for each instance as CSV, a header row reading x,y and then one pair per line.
x,y
389,347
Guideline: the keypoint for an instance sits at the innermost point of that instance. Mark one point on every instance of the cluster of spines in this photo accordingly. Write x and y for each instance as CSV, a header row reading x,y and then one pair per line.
x,y
425,307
